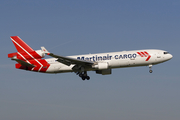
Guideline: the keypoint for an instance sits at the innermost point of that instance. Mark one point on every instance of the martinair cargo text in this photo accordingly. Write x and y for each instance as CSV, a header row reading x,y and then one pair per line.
x,y
102,63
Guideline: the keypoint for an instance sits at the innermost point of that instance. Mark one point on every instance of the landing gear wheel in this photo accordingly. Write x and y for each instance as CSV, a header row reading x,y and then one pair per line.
x,y
150,67
83,75
150,71
83,78
80,75
87,77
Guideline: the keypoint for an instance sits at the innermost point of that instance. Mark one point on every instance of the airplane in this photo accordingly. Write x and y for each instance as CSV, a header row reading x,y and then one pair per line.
x,y
101,63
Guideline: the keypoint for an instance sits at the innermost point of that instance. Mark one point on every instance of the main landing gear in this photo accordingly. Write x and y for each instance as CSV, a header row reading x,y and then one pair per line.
x,y
83,75
150,66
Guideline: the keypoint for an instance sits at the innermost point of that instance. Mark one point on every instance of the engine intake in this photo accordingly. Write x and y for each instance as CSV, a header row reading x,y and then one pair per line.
x,y
40,53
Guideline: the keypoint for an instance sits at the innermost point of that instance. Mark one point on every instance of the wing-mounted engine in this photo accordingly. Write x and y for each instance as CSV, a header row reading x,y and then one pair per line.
x,y
101,66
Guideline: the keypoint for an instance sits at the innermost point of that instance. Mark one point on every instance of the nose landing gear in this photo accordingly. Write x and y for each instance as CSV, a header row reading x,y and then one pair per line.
x,y
150,66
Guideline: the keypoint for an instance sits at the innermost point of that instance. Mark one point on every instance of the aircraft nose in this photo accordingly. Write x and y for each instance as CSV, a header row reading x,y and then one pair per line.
x,y
170,56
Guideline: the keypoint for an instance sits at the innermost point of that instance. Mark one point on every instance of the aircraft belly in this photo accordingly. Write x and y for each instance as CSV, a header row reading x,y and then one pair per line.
x,y
58,68
53,68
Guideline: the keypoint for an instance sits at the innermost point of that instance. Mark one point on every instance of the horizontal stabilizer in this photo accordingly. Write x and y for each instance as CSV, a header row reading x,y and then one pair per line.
x,y
23,63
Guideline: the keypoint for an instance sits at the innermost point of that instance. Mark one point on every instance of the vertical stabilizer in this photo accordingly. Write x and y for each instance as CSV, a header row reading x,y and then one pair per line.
x,y
25,52
27,58
20,45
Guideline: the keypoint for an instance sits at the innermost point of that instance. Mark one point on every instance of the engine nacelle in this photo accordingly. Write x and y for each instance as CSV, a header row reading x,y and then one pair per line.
x,y
40,53
101,66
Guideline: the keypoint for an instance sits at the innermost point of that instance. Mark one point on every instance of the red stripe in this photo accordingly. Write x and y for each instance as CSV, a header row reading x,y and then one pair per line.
x,y
45,65
38,66
140,54
149,56
143,54
146,53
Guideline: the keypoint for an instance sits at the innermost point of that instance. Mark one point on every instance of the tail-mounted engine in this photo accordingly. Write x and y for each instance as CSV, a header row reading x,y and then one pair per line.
x,y
40,53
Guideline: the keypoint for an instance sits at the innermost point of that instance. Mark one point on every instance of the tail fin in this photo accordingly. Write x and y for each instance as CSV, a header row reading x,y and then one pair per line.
x,y
20,45
25,52
27,58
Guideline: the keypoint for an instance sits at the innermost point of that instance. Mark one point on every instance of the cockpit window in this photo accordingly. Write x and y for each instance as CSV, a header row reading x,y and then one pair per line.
x,y
166,52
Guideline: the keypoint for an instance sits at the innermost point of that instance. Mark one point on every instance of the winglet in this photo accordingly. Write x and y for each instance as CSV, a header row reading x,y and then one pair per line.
x,y
45,50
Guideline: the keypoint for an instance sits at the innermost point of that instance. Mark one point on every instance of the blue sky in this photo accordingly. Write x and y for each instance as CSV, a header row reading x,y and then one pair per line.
x,y
75,27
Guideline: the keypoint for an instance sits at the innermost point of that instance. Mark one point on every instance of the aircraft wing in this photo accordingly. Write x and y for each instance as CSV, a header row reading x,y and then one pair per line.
x,y
68,60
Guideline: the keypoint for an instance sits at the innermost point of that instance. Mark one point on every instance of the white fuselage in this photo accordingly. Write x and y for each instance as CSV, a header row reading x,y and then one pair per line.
x,y
114,60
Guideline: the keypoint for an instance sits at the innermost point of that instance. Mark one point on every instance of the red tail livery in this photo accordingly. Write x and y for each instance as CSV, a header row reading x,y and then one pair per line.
x,y
28,58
